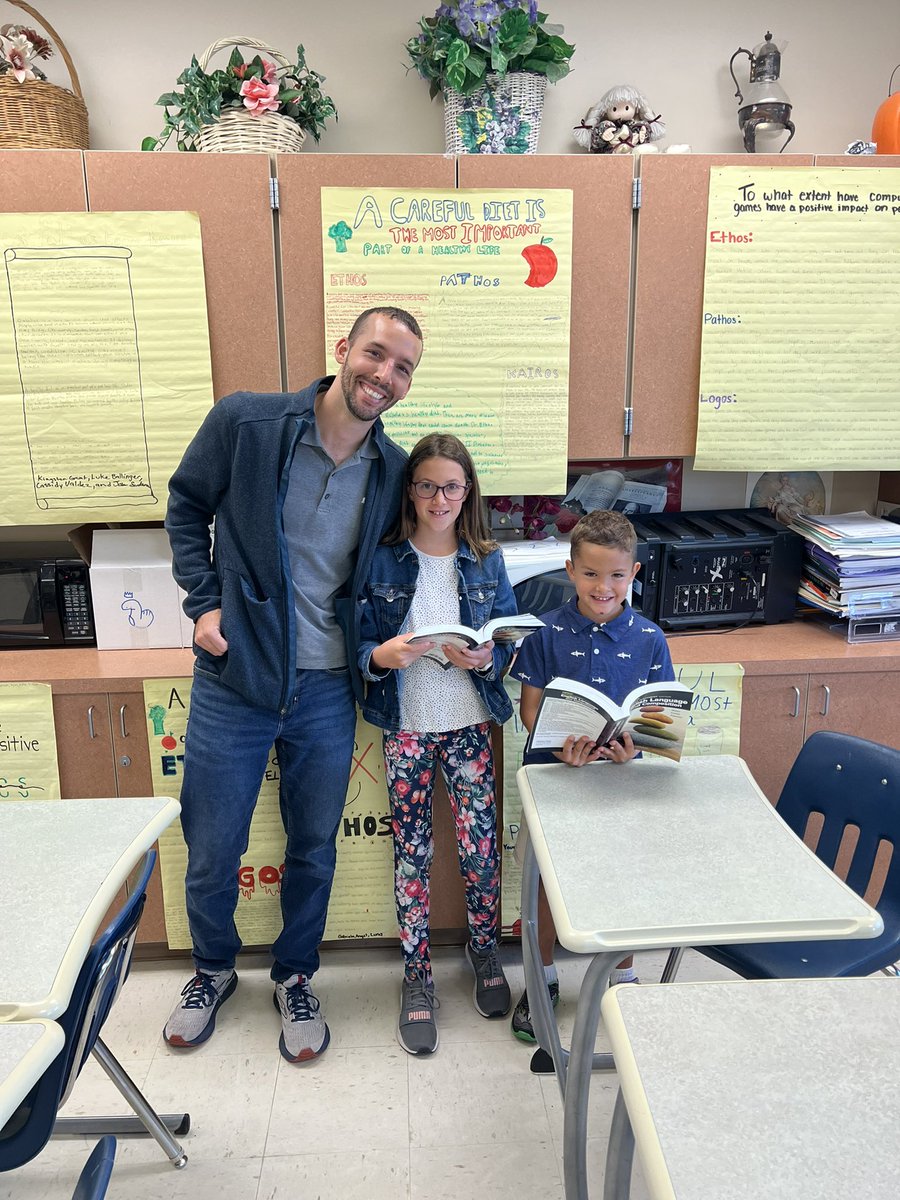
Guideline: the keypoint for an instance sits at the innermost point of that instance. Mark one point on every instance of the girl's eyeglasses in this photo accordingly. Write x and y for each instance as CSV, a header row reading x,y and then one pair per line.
x,y
425,489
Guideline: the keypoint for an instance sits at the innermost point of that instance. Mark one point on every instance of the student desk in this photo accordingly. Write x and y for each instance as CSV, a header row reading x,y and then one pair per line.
x,y
27,1048
62,864
652,855
776,1089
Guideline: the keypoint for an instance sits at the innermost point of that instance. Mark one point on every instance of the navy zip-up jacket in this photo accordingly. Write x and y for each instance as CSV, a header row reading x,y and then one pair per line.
x,y
236,470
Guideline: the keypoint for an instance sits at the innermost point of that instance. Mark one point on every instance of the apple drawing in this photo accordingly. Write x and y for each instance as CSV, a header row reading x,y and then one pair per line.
x,y
543,263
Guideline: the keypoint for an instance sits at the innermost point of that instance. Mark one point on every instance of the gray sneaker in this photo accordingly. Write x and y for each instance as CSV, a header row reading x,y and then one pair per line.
x,y
417,1032
304,1034
491,991
193,1020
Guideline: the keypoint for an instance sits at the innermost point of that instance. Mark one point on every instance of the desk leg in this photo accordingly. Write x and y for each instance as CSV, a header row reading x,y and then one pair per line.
x,y
619,1154
542,1017
578,1081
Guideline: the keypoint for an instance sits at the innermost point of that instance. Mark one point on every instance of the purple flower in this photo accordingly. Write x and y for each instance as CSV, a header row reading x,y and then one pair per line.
x,y
532,11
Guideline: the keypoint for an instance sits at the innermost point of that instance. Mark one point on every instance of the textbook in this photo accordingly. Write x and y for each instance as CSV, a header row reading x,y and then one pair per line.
x,y
656,715
499,630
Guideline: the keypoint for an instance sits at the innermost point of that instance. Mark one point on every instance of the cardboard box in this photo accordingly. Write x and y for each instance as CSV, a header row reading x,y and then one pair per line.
x,y
137,603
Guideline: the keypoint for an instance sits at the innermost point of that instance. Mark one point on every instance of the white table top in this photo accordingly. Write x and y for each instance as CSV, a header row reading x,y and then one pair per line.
x,y
27,1048
784,1088
655,854
62,863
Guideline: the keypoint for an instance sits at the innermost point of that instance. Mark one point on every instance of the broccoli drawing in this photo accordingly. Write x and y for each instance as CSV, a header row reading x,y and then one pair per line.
x,y
341,232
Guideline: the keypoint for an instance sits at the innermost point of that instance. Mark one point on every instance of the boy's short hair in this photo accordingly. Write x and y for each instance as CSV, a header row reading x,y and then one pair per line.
x,y
602,527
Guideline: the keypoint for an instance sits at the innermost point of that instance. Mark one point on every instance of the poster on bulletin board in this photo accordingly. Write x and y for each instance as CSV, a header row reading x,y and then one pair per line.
x,y
28,762
105,369
800,361
362,899
487,274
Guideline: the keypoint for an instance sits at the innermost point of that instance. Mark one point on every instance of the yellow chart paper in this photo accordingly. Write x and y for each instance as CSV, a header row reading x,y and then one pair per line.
x,y
28,764
487,274
714,727
104,362
362,904
800,362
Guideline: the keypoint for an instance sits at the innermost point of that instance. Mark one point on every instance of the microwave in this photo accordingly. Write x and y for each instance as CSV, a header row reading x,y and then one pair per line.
x,y
45,602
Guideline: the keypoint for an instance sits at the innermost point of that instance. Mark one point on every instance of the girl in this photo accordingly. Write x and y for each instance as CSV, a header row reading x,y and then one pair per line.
x,y
438,566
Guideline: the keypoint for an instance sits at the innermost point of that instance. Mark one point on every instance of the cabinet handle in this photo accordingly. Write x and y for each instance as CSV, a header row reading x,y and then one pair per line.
x,y
796,711
90,717
122,728
827,690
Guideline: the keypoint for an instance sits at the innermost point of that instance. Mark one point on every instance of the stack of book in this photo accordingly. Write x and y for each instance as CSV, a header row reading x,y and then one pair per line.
x,y
851,564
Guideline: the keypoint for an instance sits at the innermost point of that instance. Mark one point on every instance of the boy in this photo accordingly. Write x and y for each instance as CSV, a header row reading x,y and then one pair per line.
x,y
598,639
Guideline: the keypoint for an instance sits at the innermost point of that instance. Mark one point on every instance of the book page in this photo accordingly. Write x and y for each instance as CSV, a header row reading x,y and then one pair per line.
x,y
104,362
800,360
658,721
564,713
487,274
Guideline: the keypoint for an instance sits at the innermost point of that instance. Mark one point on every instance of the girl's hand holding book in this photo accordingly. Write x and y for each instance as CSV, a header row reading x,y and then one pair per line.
x,y
396,653
475,659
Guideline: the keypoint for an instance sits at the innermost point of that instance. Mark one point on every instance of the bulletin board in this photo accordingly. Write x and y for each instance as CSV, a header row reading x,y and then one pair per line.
x,y
800,366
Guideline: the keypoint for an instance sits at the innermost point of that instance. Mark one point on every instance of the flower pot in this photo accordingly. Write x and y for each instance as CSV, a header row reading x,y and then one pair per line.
x,y
503,117
238,131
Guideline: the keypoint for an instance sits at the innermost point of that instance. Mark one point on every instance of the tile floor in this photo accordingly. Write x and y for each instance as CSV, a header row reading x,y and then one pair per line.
x,y
365,1121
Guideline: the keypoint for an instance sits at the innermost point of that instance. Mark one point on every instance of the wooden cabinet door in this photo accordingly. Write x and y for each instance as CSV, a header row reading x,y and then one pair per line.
x,y
773,708
133,777
865,703
84,745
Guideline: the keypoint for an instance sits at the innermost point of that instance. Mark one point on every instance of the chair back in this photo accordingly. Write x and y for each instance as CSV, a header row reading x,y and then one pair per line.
x,y
850,783
94,1179
104,971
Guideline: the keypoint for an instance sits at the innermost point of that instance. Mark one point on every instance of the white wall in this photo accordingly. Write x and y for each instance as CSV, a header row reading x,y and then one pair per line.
x,y
836,67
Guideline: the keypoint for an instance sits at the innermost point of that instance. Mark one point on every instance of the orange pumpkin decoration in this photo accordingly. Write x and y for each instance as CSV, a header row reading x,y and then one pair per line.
x,y
886,126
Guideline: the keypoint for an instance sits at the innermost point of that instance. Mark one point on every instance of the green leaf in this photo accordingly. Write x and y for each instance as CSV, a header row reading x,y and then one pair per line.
x,y
476,65
149,143
561,47
555,71
457,53
456,77
236,59
289,94
170,98
499,60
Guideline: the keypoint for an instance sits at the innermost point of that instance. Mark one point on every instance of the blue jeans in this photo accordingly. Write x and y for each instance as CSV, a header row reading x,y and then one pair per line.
x,y
226,750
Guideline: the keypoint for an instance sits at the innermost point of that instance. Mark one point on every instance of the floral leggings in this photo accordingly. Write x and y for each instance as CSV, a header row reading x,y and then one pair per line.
x,y
467,764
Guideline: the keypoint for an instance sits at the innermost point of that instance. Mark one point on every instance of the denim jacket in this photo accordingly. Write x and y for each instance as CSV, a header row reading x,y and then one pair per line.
x,y
484,592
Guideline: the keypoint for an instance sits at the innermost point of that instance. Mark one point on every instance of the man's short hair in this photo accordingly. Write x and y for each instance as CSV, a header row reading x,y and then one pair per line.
x,y
387,310
604,528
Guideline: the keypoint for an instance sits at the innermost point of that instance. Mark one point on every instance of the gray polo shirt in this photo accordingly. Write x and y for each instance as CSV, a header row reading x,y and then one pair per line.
x,y
322,520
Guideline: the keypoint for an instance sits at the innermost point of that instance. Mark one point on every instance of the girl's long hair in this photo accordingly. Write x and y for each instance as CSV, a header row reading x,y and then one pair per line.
x,y
471,524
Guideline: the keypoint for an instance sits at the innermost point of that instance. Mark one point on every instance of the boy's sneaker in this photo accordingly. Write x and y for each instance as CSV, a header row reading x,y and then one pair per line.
x,y
622,982
491,991
194,1019
416,1029
521,1018
304,1034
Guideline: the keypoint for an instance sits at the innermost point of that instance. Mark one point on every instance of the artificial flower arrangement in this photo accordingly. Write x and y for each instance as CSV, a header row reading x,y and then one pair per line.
x,y
20,48
465,39
257,87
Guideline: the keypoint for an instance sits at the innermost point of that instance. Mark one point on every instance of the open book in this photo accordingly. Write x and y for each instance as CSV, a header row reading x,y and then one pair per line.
x,y
499,630
656,716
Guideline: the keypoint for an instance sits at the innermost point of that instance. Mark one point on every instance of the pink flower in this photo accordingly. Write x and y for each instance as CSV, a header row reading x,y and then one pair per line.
x,y
19,63
259,97
269,70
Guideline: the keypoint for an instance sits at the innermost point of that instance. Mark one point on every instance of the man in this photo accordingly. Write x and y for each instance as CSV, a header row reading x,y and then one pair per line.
x,y
301,488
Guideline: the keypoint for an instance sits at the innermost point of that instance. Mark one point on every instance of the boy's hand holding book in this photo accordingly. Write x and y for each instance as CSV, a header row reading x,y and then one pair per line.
x,y
579,751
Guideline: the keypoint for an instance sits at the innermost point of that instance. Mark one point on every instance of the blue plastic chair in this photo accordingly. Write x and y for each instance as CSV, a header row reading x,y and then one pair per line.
x,y
847,781
94,1179
101,977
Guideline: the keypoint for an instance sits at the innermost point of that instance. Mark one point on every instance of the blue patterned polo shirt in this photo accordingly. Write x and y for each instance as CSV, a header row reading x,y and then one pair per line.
x,y
615,656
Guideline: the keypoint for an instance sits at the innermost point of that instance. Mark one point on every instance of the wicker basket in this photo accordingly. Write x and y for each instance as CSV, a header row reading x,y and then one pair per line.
x,y
38,115
503,117
239,131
